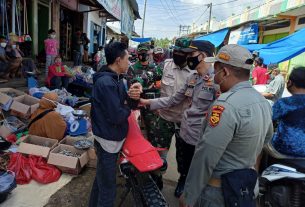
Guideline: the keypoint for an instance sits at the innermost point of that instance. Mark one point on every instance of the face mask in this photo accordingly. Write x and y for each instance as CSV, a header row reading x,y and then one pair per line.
x,y
143,57
193,62
14,46
3,44
54,102
57,63
157,59
221,82
53,36
179,60
211,70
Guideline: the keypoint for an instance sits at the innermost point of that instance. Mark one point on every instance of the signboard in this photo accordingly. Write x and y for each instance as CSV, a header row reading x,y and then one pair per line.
x,y
127,19
113,7
244,35
70,4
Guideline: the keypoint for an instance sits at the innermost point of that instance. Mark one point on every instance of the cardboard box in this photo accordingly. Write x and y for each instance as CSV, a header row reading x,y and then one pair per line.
x,y
69,140
24,106
68,164
6,100
35,145
5,131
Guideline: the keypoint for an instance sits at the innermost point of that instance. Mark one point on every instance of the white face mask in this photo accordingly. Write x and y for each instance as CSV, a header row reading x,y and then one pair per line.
x,y
53,36
14,46
3,44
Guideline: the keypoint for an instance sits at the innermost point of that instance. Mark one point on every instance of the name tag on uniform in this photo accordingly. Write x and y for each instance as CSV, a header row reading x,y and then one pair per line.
x,y
169,76
209,89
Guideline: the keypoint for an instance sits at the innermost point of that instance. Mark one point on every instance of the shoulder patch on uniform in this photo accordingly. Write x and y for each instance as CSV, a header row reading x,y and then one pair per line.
x,y
224,96
216,115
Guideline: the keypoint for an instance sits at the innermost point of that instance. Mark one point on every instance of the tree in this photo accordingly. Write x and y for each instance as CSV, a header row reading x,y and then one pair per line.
x,y
163,42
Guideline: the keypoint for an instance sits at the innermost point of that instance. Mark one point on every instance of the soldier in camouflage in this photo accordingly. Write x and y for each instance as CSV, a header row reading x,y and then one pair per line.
x,y
147,74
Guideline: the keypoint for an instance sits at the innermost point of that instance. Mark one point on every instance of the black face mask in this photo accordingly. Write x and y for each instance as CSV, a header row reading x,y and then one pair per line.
x,y
143,57
193,62
179,60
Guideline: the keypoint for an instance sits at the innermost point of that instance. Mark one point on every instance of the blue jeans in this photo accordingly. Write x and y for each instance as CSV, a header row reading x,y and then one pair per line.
x,y
77,58
104,187
49,61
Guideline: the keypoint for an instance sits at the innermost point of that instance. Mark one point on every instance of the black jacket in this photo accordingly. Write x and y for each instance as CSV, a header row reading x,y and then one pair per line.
x,y
111,106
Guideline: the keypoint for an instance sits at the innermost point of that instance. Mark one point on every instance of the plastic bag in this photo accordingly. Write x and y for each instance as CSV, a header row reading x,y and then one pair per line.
x,y
20,166
7,181
7,184
42,172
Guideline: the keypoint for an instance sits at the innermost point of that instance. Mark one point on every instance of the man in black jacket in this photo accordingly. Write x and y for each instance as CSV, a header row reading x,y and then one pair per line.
x,y
111,108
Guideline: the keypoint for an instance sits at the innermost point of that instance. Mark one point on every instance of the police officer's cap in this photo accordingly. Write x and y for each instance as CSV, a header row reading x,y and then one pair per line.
x,y
201,45
234,55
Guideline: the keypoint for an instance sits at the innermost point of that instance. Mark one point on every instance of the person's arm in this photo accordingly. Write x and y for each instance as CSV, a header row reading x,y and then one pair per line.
x,y
209,150
254,77
166,102
106,94
268,95
273,89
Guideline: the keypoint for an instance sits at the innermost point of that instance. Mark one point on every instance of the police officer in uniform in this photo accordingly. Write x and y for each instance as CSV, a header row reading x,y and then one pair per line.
x,y
175,73
238,124
199,91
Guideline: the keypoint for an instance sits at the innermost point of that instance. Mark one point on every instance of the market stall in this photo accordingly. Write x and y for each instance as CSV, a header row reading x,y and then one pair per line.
x,y
35,165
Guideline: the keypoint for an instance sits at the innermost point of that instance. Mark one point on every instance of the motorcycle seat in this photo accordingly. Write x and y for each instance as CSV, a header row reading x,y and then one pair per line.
x,y
296,162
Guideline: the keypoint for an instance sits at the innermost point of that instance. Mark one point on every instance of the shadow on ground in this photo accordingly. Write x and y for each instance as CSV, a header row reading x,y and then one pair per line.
x,y
77,192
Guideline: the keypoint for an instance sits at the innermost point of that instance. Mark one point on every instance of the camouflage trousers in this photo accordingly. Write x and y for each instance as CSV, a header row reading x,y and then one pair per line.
x,y
163,132
149,118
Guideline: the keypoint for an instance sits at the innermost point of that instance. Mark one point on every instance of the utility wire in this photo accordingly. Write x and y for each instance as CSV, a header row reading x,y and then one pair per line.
x,y
174,18
202,14
224,3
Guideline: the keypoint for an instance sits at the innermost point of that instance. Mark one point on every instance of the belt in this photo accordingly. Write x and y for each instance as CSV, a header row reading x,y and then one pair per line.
x,y
214,182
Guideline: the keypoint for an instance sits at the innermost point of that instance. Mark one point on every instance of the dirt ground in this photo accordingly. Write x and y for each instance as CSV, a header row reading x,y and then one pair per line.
x,y
77,192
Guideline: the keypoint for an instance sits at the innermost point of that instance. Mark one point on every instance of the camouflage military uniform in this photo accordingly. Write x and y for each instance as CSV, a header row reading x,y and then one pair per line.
x,y
147,76
173,78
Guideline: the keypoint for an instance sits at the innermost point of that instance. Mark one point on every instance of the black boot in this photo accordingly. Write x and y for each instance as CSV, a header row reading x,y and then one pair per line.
x,y
158,180
180,186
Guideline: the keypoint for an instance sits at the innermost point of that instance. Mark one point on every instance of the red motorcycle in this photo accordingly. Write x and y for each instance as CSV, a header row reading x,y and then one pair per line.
x,y
137,161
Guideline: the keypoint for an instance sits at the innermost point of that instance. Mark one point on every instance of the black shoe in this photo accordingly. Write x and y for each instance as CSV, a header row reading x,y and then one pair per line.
x,y
158,180
180,186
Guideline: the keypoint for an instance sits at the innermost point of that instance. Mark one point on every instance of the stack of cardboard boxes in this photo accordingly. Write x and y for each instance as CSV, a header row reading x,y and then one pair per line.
x,y
50,149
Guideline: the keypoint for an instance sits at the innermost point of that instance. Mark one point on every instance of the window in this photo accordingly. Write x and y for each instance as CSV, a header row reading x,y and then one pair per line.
x,y
301,20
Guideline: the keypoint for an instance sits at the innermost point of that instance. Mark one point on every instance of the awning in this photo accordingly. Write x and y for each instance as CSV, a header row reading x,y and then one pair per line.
x,y
140,40
254,47
97,6
215,38
284,49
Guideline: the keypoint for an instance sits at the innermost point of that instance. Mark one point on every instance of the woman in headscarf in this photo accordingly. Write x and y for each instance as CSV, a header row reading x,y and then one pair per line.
x,y
45,121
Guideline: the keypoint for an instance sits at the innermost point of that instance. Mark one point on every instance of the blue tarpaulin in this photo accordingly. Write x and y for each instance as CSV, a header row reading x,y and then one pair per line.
x,y
215,38
254,47
284,49
141,39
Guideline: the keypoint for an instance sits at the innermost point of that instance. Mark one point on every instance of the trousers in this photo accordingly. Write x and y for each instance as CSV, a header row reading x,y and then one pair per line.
x,y
104,186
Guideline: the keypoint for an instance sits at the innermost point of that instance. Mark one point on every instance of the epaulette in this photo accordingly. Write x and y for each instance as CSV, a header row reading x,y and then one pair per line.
x,y
225,96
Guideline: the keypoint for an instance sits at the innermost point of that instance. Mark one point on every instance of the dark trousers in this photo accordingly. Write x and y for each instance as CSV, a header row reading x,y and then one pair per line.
x,y
77,58
104,187
184,155
58,82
